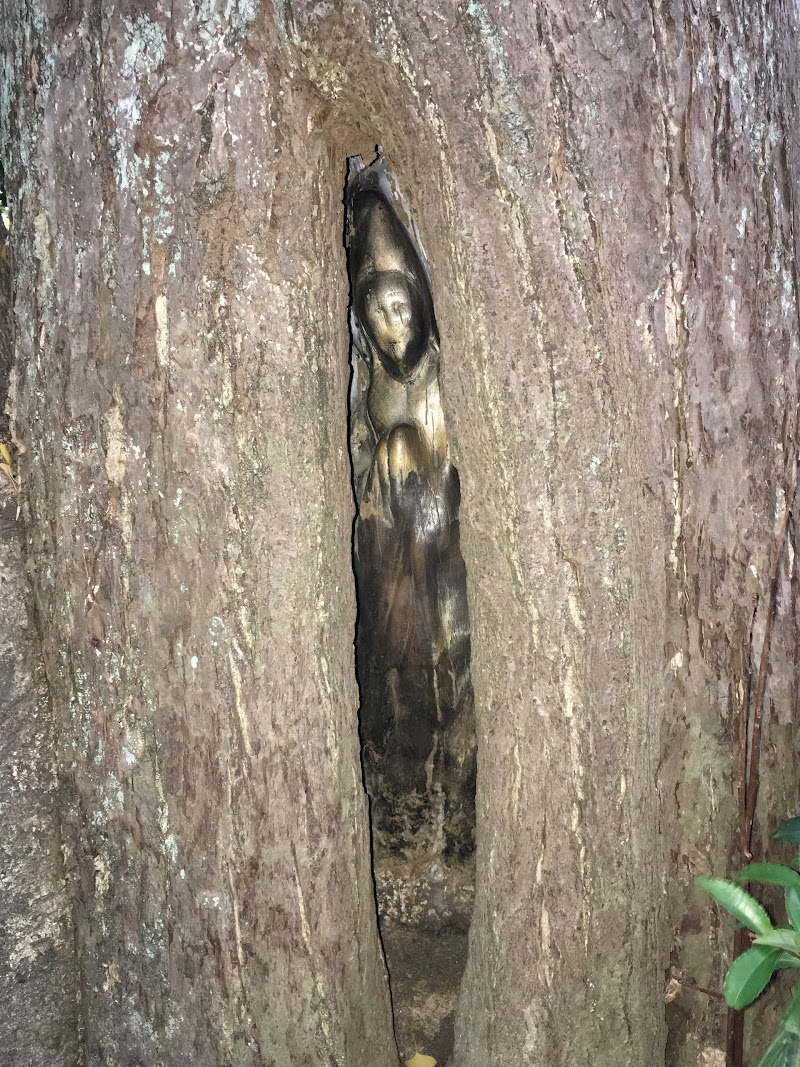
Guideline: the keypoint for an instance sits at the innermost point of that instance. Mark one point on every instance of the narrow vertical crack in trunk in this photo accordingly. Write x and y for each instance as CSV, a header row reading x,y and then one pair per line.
x,y
413,638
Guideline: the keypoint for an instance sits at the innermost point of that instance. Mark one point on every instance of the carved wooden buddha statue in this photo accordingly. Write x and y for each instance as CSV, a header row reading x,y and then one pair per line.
x,y
413,631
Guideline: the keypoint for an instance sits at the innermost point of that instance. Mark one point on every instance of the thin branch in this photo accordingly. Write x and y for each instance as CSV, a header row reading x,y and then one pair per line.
x,y
758,706
713,993
744,730
749,764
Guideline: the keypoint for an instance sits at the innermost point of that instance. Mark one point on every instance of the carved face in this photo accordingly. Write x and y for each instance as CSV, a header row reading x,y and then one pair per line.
x,y
392,299
391,309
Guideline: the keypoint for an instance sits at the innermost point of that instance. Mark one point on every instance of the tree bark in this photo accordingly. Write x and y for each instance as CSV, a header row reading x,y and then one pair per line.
x,y
182,379
39,1024
605,196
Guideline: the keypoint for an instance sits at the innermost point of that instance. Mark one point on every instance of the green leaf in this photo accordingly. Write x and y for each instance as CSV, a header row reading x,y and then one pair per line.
x,y
785,960
769,874
793,907
738,903
748,975
782,937
788,831
784,1051
785,1048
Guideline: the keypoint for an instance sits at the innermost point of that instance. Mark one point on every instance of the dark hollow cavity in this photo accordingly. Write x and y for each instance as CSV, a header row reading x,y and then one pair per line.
x,y
417,717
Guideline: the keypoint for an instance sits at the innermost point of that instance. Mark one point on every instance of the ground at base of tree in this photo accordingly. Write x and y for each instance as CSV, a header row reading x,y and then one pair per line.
x,y
425,970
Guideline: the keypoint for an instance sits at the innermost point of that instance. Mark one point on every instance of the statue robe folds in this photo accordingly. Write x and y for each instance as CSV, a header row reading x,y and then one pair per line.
x,y
413,644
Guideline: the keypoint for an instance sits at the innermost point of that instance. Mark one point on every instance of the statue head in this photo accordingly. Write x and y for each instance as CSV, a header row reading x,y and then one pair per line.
x,y
391,297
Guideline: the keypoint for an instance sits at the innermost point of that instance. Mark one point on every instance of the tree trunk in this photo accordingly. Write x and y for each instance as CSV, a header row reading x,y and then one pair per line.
x,y
605,196
181,339
39,1024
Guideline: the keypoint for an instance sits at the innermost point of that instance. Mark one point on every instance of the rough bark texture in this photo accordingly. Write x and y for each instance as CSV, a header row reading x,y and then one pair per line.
x,y
728,86
182,379
606,192
38,983
38,980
